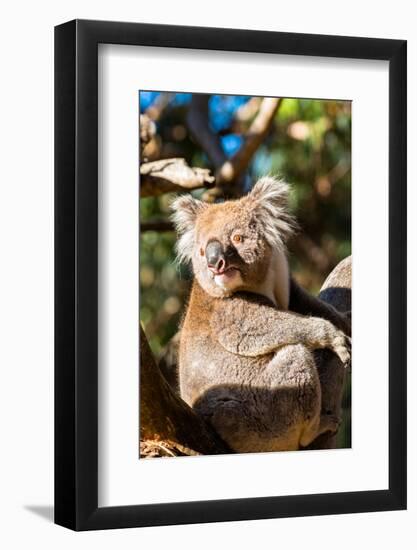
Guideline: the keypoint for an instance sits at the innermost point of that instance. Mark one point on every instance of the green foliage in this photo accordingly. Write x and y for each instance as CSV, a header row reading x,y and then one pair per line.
x,y
163,284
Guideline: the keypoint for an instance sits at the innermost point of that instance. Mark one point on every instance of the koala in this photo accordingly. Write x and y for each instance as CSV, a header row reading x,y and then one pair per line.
x,y
246,353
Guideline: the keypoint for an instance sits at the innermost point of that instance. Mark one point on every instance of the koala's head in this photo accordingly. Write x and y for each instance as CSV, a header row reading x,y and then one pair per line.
x,y
230,244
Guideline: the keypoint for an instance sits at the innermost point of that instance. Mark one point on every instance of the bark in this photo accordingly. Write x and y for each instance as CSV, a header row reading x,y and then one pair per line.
x,y
336,291
167,362
171,175
168,426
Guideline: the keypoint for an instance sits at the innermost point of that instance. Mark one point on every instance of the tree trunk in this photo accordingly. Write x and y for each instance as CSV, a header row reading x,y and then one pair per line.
x,y
168,426
336,291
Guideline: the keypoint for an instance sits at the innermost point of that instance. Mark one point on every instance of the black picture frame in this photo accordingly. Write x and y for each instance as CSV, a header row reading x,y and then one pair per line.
x,y
76,271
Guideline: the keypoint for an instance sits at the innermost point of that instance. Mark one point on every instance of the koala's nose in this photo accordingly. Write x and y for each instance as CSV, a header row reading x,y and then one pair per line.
x,y
214,255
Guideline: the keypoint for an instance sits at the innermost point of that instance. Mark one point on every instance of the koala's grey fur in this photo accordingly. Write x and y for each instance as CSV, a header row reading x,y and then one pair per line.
x,y
246,358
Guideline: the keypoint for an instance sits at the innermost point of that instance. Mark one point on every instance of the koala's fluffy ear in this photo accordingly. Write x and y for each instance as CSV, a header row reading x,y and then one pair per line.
x,y
185,211
271,190
270,199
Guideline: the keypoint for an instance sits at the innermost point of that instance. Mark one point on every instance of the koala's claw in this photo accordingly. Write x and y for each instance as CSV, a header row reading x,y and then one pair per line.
x,y
342,346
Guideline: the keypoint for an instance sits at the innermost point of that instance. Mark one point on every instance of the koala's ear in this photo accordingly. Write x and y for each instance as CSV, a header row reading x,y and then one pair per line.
x,y
270,202
185,211
272,191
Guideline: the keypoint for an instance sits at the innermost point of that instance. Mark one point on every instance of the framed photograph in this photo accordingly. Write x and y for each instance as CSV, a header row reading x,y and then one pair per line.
x,y
230,284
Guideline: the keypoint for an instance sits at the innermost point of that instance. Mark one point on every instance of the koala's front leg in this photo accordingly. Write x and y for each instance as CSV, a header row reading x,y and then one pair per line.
x,y
244,326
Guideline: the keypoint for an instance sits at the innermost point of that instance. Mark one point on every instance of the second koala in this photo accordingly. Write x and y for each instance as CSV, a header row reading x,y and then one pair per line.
x,y
246,358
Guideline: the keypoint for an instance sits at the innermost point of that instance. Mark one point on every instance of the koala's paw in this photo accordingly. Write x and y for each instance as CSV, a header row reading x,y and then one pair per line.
x,y
329,423
342,347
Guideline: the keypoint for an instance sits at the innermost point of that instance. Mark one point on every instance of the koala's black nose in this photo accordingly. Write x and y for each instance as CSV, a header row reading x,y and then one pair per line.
x,y
214,255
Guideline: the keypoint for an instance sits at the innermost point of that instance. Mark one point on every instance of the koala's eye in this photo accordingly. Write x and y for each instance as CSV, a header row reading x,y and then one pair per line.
x,y
237,238
201,252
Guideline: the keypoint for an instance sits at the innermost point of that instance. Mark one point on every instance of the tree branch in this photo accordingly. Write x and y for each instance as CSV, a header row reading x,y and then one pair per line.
x,y
164,176
259,128
198,124
147,130
157,225
229,170
155,110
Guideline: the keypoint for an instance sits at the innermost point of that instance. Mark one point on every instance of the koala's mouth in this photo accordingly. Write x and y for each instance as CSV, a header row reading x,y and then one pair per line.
x,y
226,277
223,270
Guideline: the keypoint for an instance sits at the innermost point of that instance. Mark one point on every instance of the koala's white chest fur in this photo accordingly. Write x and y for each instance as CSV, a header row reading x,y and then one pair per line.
x,y
276,286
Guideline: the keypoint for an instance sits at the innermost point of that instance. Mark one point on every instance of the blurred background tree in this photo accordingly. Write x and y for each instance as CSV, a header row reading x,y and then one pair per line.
x,y
307,142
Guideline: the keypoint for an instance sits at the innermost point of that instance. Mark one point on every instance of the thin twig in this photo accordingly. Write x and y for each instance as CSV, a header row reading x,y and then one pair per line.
x,y
157,225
